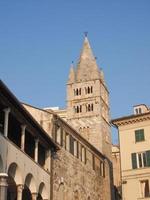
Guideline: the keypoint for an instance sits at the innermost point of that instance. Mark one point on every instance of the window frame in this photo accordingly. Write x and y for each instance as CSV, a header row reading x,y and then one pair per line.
x,y
145,188
139,135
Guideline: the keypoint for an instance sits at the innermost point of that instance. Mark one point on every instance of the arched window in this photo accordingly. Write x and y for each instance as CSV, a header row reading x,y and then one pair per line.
x,y
77,92
89,107
77,109
80,91
92,107
88,90
80,108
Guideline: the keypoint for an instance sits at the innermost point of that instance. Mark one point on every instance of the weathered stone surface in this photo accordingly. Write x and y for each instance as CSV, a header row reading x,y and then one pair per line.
x,y
79,180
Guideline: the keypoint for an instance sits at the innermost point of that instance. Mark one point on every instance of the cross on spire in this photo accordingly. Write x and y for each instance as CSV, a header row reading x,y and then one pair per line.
x,y
85,33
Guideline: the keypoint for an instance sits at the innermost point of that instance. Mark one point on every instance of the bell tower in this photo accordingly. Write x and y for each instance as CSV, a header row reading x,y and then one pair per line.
x,y
88,101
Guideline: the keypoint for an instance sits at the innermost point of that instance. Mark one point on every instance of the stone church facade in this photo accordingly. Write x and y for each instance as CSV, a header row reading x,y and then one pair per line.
x,y
71,155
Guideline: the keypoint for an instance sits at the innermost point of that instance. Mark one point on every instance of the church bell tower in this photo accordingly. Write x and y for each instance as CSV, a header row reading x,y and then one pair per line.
x,y
88,101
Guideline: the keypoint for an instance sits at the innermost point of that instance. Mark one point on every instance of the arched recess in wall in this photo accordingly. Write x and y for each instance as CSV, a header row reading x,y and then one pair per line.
x,y
15,172
26,193
29,187
14,179
1,164
30,183
42,192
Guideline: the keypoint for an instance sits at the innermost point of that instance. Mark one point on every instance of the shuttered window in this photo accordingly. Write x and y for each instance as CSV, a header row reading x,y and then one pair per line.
x,y
139,135
148,157
134,161
140,159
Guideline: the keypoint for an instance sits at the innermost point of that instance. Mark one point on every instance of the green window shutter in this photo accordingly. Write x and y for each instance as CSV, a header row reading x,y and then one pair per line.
x,y
134,161
139,135
148,157
136,135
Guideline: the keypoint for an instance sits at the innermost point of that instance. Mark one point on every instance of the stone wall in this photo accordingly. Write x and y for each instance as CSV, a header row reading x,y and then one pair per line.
x,y
75,180
85,176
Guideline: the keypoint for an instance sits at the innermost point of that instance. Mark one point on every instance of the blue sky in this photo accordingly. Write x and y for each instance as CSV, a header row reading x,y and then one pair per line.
x,y
40,38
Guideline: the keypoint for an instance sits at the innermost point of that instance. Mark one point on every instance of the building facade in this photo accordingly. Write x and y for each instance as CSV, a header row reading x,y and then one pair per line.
x,y
80,171
134,139
25,152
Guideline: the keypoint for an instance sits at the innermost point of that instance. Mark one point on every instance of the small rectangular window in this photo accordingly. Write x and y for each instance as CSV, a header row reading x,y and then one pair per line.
x,y
71,145
134,160
102,169
67,140
76,149
83,154
139,135
93,159
59,135
148,158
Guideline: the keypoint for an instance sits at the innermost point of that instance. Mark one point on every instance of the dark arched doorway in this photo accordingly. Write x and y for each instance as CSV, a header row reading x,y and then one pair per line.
x,y
26,194
12,189
39,197
1,164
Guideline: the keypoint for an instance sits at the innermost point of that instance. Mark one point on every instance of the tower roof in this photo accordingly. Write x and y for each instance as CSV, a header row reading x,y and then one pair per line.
x,y
87,68
71,74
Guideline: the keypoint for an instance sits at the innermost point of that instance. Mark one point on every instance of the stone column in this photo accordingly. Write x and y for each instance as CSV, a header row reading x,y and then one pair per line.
x,y
48,160
3,186
19,191
34,196
36,150
6,111
23,128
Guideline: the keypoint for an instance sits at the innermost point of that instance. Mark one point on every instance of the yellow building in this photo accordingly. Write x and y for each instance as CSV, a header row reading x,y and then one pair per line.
x,y
134,138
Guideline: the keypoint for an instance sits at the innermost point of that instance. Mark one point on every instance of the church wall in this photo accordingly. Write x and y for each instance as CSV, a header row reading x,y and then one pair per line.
x,y
79,181
76,177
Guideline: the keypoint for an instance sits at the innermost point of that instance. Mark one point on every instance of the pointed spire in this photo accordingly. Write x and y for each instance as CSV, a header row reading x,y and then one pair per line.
x,y
102,76
87,68
71,74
